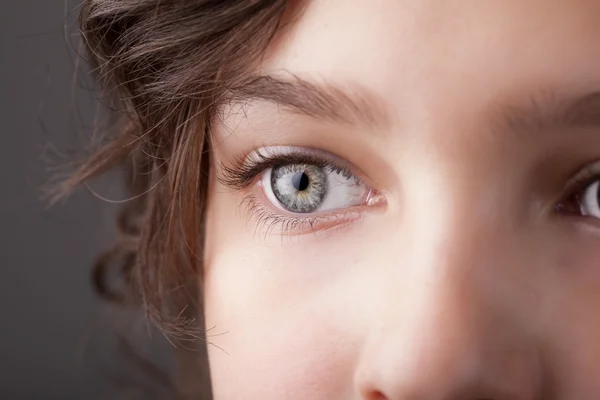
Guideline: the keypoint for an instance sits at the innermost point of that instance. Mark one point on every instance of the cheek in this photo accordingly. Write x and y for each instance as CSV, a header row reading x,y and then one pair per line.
x,y
568,312
269,337
284,318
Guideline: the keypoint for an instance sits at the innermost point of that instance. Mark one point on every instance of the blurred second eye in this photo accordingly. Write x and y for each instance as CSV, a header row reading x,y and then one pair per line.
x,y
584,193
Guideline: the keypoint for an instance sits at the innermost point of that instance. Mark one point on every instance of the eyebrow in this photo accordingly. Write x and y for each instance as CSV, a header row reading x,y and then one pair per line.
x,y
356,105
351,105
552,111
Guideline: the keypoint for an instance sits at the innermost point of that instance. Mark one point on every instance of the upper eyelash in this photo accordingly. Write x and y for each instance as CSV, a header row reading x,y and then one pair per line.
x,y
243,171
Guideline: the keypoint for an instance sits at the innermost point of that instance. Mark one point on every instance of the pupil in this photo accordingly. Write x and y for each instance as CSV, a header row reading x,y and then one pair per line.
x,y
300,181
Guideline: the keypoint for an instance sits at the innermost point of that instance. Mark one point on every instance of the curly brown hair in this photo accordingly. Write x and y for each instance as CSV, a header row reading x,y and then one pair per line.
x,y
169,65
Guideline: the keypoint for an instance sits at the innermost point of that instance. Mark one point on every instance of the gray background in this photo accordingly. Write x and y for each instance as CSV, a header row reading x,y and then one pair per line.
x,y
56,339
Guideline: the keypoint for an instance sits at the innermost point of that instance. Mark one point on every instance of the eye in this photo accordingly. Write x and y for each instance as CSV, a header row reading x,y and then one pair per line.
x,y
314,189
584,197
308,188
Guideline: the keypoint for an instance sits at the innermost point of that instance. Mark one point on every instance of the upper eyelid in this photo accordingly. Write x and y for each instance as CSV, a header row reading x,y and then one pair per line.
x,y
243,170
583,177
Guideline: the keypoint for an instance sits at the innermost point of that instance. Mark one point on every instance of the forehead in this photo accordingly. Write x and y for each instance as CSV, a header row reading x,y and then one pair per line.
x,y
421,55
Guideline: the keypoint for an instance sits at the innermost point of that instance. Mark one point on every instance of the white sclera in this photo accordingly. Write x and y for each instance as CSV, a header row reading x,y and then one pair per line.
x,y
589,201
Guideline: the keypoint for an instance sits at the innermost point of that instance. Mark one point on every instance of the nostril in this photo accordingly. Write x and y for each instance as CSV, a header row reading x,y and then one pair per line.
x,y
376,395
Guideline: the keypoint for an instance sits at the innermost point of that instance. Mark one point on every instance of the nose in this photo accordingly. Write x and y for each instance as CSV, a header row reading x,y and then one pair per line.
x,y
447,329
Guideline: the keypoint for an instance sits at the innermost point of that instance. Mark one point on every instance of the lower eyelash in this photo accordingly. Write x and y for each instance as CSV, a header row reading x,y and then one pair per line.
x,y
267,221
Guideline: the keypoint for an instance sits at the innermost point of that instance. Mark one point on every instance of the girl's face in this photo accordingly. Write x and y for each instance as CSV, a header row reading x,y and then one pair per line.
x,y
404,204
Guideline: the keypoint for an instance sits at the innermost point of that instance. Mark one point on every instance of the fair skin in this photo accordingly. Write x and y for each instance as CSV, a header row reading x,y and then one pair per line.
x,y
454,258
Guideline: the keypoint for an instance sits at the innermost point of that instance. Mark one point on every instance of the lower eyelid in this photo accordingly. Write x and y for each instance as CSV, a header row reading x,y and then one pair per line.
x,y
273,222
